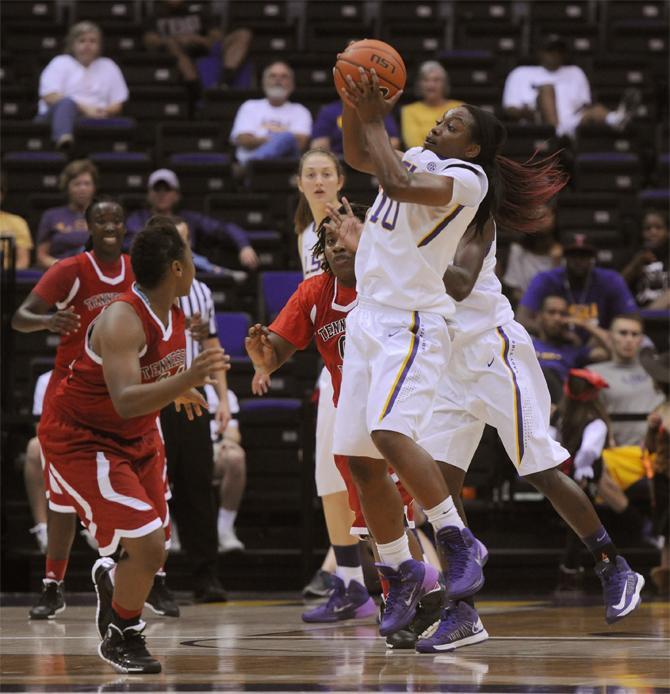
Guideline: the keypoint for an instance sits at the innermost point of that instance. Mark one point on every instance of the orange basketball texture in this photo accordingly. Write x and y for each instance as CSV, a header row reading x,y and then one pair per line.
x,y
369,54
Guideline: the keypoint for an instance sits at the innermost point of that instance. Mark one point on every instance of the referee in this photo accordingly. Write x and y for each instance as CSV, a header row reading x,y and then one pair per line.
x,y
190,457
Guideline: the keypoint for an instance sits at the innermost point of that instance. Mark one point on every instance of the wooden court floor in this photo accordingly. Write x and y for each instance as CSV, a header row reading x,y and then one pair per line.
x,y
262,646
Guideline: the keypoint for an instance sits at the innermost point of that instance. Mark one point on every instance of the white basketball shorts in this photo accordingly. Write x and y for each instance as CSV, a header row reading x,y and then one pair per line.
x,y
393,361
494,378
326,475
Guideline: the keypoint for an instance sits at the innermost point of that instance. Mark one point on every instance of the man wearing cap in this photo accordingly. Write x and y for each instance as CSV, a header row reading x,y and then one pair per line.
x,y
558,94
595,295
163,197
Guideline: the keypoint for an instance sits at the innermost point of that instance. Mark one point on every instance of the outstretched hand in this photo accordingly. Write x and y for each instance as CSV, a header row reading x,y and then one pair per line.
x,y
347,227
366,97
193,403
262,355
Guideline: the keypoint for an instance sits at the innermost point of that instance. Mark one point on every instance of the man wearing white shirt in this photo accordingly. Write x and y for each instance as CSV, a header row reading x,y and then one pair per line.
x,y
559,94
79,83
273,127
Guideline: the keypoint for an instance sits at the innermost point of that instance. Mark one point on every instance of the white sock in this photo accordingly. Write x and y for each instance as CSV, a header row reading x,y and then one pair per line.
x,y
395,553
349,574
226,520
444,514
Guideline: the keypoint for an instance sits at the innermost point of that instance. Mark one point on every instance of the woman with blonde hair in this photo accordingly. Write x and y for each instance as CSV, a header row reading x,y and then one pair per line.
x,y
79,83
63,231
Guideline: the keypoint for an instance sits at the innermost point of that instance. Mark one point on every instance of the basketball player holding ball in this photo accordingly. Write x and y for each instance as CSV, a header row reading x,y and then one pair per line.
x,y
398,344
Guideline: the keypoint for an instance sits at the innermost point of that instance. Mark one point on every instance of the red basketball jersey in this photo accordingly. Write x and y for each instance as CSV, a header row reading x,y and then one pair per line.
x,y
88,285
82,396
318,308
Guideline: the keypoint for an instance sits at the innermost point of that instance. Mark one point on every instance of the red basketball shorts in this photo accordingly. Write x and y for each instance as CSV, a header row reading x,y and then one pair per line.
x,y
117,488
359,526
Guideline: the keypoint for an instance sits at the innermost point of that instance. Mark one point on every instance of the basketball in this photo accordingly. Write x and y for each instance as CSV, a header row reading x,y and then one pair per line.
x,y
369,54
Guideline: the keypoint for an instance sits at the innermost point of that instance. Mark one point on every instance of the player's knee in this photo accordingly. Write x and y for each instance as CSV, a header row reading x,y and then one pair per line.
x,y
545,480
152,551
33,452
363,470
386,442
236,462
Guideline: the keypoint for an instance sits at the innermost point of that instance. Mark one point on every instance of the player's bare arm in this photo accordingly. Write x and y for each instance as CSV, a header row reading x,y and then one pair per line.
x,y
118,338
400,185
33,315
462,274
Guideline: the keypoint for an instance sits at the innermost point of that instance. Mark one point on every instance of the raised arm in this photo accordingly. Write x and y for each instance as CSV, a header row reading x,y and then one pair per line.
x,y
118,338
268,352
380,158
461,275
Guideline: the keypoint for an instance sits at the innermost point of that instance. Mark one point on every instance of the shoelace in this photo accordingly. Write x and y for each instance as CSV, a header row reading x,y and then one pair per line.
x,y
395,588
135,644
447,620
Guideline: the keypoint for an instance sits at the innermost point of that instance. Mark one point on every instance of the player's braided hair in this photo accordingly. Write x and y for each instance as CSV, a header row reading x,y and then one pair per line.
x,y
154,249
517,192
319,248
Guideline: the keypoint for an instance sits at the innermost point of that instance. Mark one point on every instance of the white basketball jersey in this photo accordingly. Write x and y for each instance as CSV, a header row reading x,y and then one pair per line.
x,y
405,248
311,266
486,307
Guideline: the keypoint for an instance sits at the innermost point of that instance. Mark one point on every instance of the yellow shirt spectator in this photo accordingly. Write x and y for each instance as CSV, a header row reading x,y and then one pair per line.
x,y
13,225
417,119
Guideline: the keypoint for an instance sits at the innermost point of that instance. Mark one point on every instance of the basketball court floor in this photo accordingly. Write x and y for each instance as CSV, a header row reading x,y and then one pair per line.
x,y
255,645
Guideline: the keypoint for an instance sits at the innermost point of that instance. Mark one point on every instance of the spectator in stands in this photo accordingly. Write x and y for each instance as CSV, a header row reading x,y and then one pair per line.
x,y
63,231
272,127
79,83
532,254
432,88
647,273
556,347
16,227
205,55
230,471
558,94
327,129
163,197
593,294
631,390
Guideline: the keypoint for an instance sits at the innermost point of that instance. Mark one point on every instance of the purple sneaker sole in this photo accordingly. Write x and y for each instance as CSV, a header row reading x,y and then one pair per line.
x,y
321,615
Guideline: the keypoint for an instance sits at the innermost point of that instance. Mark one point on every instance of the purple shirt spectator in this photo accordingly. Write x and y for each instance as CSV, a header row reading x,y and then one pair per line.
x,y
561,357
604,296
64,229
200,225
328,124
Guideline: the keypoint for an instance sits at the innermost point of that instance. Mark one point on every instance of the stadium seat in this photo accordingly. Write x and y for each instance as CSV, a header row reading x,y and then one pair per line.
x,y
249,210
607,171
646,37
275,290
33,171
25,135
18,103
157,103
602,138
200,174
188,137
578,211
122,172
148,68
37,12
523,140
275,175
270,248
468,11
104,134
498,37
232,328
105,12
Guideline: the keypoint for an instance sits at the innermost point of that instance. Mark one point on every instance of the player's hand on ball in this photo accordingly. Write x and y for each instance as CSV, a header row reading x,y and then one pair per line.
x,y
193,403
63,322
365,96
206,363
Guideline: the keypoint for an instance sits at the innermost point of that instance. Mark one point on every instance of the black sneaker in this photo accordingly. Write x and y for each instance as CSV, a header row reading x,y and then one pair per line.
x,y
209,590
126,651
320,585
104,590
51,602
160,600
426,619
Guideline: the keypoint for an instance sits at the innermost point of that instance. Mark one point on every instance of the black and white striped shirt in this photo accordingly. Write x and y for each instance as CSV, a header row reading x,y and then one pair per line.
x,y
199,301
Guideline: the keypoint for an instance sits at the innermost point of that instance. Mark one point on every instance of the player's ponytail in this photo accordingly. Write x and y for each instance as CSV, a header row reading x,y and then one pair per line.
x,y
517,192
